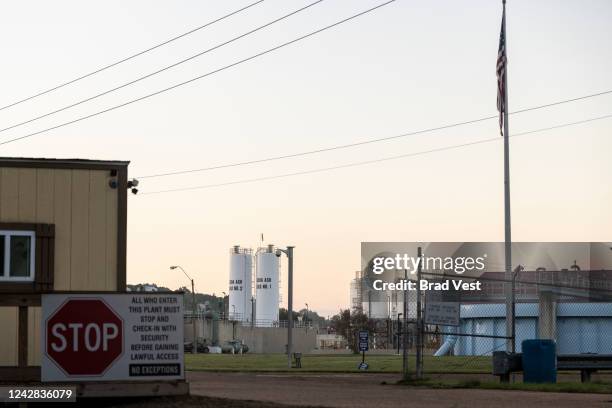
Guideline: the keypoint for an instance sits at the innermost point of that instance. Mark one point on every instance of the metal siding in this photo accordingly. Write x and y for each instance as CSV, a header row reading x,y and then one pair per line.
x,y
27,195
44,196
9,195
62,210
79,232
112,212
97,231
581,328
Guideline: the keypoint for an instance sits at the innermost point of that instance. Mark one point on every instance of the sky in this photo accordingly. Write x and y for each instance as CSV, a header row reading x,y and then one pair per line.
x,y
404,67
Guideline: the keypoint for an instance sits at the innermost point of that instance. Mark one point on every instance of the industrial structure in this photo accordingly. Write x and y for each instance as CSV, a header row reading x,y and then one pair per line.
x,y
378,304
267,287
241,284
572,307
254,301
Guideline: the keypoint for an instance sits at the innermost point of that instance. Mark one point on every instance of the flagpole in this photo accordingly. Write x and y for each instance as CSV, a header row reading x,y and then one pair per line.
x,y
507,226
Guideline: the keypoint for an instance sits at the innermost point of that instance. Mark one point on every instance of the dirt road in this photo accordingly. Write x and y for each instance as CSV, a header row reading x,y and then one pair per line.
x,y
354,390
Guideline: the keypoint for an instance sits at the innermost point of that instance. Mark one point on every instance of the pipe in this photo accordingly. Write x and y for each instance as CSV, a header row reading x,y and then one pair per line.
x,y
446,347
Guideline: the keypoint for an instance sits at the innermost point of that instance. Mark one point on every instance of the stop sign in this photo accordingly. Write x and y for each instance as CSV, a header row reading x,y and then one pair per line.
x,y
84,336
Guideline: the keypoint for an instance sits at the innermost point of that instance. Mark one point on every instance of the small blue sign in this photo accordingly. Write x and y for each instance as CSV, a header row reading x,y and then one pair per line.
x,y
363,366
363,341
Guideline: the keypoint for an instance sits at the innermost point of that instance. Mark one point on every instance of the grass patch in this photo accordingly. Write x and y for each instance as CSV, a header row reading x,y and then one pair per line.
x,y
572,387
334,363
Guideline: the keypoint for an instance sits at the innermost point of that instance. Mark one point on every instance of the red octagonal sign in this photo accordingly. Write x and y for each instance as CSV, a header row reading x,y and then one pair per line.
x,y
84,337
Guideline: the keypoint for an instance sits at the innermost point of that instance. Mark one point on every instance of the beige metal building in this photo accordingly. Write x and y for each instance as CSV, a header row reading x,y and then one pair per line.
x,y
62,228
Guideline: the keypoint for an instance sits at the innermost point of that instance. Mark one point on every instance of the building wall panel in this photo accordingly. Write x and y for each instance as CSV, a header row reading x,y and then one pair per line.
x,y
62,210
97,230
9,195
8,322
44,196
79,256
34,346
26,195
84,210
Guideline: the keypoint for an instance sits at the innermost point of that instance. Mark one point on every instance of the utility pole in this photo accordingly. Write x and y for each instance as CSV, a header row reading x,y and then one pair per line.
x,y
290,304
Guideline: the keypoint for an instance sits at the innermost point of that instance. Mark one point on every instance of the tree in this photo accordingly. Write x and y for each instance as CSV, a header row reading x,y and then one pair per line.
x,y
311,315
349,324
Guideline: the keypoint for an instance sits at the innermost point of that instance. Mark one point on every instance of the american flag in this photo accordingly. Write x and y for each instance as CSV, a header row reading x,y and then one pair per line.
x,y
501,69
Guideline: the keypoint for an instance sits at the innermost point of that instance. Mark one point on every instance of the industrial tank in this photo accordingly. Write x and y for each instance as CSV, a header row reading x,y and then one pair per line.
x,y
240,284
267,286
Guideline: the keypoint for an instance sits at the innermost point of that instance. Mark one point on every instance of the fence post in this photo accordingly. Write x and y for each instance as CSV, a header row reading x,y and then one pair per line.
x,y
404,333
419,321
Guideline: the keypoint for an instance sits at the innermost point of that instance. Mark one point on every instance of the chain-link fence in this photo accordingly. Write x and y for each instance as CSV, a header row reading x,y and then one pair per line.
x,y
464,324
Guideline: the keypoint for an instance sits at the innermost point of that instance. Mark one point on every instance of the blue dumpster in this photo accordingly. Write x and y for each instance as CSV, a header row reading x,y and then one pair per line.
x,y
539,361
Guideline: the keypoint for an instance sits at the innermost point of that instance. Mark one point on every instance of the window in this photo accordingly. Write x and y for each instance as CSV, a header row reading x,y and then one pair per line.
x,y
17,249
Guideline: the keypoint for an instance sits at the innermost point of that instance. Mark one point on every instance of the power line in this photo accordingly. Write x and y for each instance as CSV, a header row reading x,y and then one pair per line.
x,y
131,56
159,71
369,141
223,68
384,159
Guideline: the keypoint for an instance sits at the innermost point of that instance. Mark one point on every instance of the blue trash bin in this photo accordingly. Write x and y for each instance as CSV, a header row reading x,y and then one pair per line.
x,y
539,361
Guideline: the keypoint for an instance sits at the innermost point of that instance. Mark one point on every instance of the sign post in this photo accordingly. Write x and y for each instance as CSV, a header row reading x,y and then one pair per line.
x,y
363,347
112,337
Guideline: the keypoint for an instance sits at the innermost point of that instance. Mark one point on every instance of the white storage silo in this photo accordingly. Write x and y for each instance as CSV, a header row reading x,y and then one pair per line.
x,y
240,284
267,286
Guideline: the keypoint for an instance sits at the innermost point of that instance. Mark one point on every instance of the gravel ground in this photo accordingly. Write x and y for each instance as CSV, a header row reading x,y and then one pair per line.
x,y
192,401
354,391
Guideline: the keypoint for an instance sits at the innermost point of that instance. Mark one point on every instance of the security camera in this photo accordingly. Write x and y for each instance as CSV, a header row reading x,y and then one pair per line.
x,y
132,183
278,253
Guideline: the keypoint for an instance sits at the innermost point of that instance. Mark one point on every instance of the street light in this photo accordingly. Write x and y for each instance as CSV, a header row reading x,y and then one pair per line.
x,y
193,308
306,322
223,311
399,331
252,311
289,252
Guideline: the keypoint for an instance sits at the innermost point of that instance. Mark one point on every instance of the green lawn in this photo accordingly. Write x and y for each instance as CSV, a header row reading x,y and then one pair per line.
x,y
334,363
383,363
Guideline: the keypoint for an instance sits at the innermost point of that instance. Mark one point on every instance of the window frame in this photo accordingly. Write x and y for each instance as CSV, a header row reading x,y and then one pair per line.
x,y
5,275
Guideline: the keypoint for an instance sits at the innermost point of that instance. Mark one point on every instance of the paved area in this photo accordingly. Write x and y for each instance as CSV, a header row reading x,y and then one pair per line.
x,y
354,390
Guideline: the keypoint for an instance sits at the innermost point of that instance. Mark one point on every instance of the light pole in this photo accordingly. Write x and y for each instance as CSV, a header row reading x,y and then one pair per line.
x,y
223,311
289,252
306,319
193,308
252,311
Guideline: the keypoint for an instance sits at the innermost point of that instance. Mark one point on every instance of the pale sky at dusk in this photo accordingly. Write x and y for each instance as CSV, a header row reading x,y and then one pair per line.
x,y
407,66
